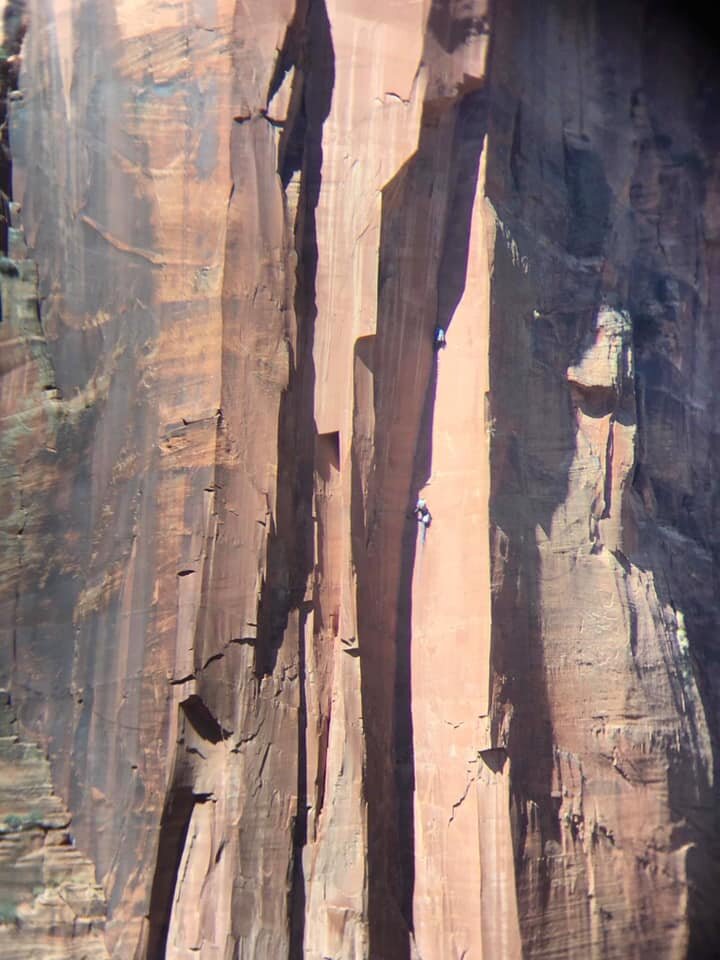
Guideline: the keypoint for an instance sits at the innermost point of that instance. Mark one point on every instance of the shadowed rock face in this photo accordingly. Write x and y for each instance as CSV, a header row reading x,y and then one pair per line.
x,y
287,719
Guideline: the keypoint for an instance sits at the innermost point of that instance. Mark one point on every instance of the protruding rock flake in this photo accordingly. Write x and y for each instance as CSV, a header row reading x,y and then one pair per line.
x,y
608,362
359,527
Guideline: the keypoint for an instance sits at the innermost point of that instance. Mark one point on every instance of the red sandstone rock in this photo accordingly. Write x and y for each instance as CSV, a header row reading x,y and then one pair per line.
x,y
285,720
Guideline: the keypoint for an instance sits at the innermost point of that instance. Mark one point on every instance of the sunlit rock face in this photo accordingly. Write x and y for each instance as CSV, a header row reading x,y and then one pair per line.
x,y
50,903
287,715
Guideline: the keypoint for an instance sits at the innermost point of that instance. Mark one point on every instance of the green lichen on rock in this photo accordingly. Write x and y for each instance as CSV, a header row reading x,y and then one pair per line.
x,y
8,912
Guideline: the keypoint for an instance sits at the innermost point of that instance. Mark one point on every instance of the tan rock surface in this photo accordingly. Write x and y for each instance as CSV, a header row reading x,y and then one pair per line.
x,y
50,903
285,719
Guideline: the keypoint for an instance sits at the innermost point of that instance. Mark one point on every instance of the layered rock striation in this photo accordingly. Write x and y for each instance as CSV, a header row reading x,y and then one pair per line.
x,y
50,903
287,719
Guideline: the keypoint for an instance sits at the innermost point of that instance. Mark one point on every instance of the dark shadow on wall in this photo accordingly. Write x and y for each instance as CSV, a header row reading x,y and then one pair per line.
x,y
540,324
532,418
290,544
469,134
675,303
454,23
681,546
13,32
196,724
677,356
532,440
290,550
296,894
174,825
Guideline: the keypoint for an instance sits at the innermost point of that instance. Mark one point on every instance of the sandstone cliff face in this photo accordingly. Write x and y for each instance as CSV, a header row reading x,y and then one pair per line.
x,y
51,905
284,722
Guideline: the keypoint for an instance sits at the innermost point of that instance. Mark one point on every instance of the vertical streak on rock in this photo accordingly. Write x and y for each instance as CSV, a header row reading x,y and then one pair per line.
x,y
81,685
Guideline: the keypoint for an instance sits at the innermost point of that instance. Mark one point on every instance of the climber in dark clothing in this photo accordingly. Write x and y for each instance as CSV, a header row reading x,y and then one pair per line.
x,y
439,338
423,517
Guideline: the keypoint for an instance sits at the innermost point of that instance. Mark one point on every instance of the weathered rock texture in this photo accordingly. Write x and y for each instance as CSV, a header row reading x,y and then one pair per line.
x,y
284,723
50,904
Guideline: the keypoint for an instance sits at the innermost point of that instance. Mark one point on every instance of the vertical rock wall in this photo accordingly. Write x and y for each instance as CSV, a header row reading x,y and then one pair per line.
x,y
604,533
286,722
